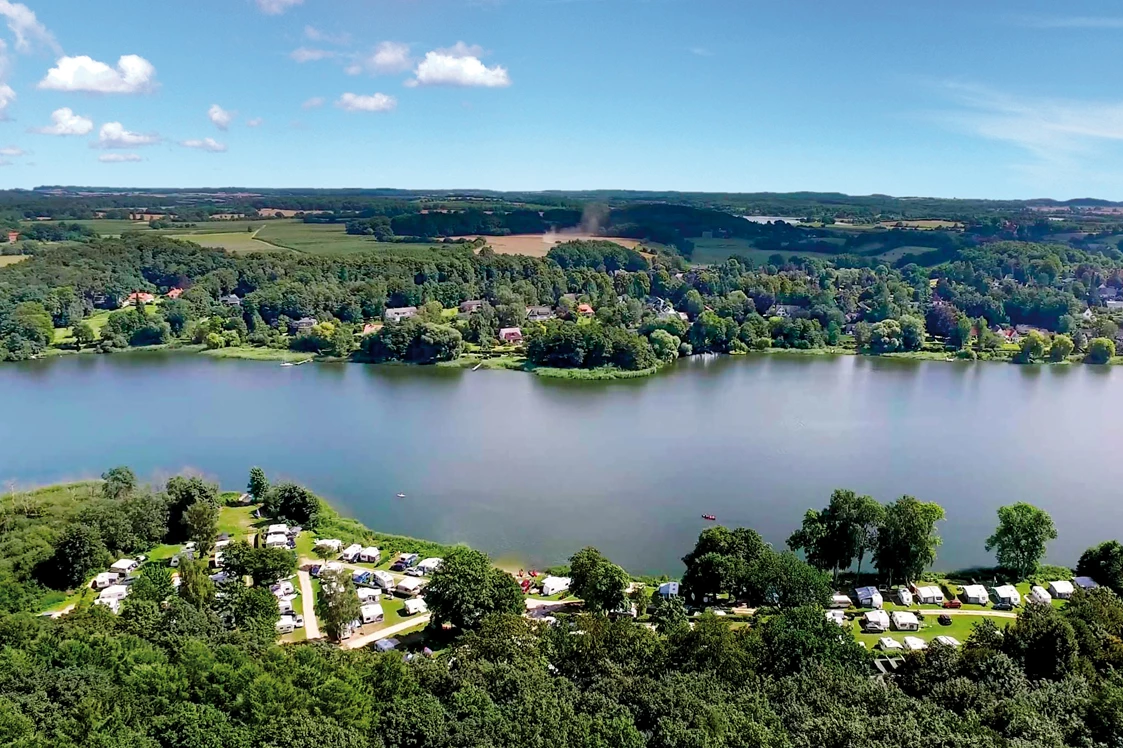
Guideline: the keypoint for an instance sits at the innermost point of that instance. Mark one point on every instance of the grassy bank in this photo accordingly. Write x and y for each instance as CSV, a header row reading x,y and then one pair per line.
x,y
598,374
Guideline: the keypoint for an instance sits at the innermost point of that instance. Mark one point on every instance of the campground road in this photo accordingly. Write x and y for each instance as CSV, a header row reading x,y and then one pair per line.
x,y
308,600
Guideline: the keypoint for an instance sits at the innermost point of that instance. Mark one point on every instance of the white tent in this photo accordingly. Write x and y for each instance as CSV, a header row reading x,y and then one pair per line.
x,y
887,643
948,641
868,597
114,592
370,555
554,585
1007,593
124,566
836,616
975,594
668,589
276,540
904,596
914,643
1061,589
930,595
409,586
366,594
875,620
351,552
1038,595
372,613
429,565
285,625
383,579
905,621
840,601
414,606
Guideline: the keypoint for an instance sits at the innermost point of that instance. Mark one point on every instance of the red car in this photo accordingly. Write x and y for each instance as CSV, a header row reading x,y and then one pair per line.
x,y
953,603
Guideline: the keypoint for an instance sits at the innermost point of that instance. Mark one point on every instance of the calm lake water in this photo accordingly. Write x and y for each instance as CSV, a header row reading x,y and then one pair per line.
x,y
532,469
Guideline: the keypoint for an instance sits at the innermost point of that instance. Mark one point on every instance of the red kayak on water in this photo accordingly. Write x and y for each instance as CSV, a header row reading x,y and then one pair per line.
x,y
709,517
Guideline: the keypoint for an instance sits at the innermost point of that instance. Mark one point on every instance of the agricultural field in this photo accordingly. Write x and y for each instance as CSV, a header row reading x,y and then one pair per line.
x,y
322,238
922,225
711,251
103,226
243,241
11,259
537,245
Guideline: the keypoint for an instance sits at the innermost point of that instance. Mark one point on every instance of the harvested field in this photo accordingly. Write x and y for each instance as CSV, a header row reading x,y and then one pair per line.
x,y
11,259
537,245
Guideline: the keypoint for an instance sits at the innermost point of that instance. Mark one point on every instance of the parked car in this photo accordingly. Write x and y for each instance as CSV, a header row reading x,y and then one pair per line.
x,y
944,619
952,603
315,570
1003,606
298,621
398,566
415,573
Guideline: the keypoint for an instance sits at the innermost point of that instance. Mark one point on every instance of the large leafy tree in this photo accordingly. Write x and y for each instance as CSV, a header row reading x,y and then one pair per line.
x,y
264,565
337,605
201,521
907,539
600,583
783,580
466,588
719,560
258,485
182,493
78,553
294,503
1103,563
1021,536
832,537
119,482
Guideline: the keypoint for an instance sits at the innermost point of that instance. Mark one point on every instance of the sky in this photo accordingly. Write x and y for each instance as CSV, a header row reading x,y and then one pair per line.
x,y
955,99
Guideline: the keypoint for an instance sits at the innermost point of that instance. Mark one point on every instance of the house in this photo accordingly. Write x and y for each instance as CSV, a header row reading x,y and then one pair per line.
x,y
13,237
975,594
277,540
585,310
139,297
415,605
1061,589
915,643
351,553
836,616
286,625
1085,583
370,555
668,589
887,643
948,641
304,325
371,613
1005,593
175,293
104,579
511,335
930,595
539,313
904,596
383,579
471,306
554,585
369,328
1087,315
875,620
397,314
368,595
1114,304
231,300
868,597
429,565
905,621
409,587
840,601
124,566
114,592
785,311
1037,594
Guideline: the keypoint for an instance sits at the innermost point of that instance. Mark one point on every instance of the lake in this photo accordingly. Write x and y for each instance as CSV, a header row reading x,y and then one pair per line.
x,y
531,469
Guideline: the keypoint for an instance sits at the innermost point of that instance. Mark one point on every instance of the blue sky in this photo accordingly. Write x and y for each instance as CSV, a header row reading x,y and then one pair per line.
x,y
956,99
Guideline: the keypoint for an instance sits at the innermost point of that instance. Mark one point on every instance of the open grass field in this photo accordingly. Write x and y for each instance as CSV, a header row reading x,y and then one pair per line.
x,y
104,226
922,225
97,321
321,238
234,241
960,628
710,251
537,245
11,259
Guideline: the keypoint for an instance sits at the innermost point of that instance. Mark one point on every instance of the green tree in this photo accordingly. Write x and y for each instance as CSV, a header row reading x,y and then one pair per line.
x,y
668,613
1033,347
1100,351
182,493
337,605
294,503
912,332
907,539
833,537
264,565
1061,348
960,336
119,482
466,588
600,583
1104,564
195,585
719,560
1020,539
783,580
153,584
258,486
664,345
1042,642
201,521
84,335
78,553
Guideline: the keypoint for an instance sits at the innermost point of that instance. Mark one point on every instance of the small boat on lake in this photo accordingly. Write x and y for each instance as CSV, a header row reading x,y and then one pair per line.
x,y
401,495
710,517
287,363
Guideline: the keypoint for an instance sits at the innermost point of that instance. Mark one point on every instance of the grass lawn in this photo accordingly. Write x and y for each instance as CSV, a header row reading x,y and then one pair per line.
x,y
710,251
11,259
235,241
97,320
322,238
236,520
960,628
257,354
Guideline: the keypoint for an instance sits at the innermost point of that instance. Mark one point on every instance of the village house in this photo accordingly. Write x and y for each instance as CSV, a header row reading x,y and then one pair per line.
x,y
304,325
369,328
175,293
539,313
471,306
511,335
397,314
585,309
13,237
784,311
231,300
141,297
144,216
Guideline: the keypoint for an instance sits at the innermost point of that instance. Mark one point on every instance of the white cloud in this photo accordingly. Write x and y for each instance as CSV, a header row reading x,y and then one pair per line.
x,y
387,57
206,144
12,150
276,7
25,26
309,54
114,135
220,117
379,102
255,122
65,122
314,103
133,74
119,158
318,35
458,65
7,96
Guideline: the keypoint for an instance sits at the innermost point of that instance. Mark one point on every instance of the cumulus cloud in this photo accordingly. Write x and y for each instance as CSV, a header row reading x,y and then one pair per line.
x,y
114,135
206,144
7,96
378,102
12,150
65,122
314,103
311,54
220,117
458,65
387,57
25,26
119,158
276,7
255,122
133,74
